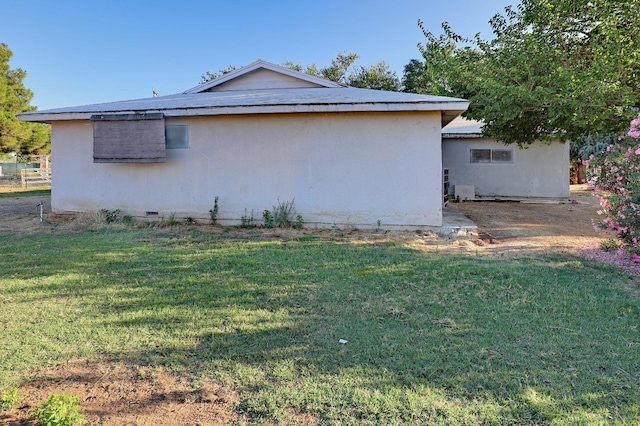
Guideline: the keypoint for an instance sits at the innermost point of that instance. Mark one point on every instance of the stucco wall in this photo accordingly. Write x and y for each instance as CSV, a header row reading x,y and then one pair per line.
x,y
344,169
542,170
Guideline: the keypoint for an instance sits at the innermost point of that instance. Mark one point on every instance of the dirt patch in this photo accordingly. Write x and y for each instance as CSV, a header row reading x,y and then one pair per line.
x,y
117,394
114,393
519,226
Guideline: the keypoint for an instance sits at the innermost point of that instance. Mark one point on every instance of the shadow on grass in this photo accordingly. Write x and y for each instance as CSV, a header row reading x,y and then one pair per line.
x,y
428,336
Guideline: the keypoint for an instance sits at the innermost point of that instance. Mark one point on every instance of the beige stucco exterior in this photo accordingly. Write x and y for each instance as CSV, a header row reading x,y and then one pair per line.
x,y
347,169
539,171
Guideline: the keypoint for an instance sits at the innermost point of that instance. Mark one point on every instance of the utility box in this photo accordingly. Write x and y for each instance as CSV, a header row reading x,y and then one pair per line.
x,y
464,192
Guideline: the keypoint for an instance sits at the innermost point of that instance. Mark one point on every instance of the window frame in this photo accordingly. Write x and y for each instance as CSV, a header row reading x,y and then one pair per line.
x,y
183,144
490,156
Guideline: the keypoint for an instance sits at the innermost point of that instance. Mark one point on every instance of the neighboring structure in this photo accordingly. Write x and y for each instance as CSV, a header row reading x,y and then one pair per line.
x,y
253,137
482,168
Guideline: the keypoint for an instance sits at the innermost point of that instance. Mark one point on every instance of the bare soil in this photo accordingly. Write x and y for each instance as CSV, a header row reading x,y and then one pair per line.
x,y
119,394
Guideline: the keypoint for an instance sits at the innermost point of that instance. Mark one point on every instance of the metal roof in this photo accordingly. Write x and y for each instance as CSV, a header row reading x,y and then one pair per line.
x,y
461,127
330,97
343,99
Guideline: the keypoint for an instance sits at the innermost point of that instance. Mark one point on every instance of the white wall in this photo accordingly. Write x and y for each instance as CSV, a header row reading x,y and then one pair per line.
x,y
348,169
542,170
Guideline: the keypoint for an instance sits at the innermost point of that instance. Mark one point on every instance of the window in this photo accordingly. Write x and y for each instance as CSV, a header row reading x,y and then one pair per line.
x,y
177,136
502,156
492,156
480,155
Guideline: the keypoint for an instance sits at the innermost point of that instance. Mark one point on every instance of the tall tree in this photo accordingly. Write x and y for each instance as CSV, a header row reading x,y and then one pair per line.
x,y
378,77
555,69
15,136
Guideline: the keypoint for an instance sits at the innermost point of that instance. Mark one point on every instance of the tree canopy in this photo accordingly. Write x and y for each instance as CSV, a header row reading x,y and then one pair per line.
x,y
15,136
555,69
379,76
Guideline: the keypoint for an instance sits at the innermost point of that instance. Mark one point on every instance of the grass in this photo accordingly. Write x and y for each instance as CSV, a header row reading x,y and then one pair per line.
x,y
432,338
6,192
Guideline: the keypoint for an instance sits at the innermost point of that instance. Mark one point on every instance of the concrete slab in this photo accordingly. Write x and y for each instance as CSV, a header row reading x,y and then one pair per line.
x,y
455,224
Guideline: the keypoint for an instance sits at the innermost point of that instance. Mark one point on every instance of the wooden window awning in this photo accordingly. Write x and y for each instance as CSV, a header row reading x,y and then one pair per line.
x,y
128,138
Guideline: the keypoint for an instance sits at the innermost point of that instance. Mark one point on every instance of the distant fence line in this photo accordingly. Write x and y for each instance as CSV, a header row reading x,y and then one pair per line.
x,y
15,169
32,177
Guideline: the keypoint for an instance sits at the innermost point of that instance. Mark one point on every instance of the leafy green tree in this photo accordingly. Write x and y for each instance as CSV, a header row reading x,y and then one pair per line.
x,y
15,136
208,76
564,69
415,78
378,77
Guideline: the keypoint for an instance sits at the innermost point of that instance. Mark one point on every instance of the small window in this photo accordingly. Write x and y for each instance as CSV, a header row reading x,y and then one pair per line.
x,y
480,155
176,136
502,156
492,156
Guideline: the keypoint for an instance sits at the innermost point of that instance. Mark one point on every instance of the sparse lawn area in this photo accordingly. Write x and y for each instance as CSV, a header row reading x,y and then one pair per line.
x,y
13,192
433,338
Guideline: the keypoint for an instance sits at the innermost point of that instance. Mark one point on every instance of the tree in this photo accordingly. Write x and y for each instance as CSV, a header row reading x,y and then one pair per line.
x,y
15,136
415,78
378,77
336,72
565,69
208,76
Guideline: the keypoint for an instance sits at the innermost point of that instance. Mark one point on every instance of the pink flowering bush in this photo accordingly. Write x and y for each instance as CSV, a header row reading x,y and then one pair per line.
x,y
616,177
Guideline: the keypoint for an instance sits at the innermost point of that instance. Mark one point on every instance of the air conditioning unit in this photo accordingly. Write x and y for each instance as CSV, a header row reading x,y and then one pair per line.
x,y
464,192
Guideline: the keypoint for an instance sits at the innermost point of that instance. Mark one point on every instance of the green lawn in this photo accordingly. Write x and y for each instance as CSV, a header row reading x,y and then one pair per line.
x,y
432,338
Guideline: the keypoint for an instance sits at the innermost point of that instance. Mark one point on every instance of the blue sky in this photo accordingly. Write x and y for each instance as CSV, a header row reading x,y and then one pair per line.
x,y
83,52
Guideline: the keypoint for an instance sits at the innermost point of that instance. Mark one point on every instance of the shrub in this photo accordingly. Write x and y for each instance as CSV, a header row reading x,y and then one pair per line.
x,y
283,215
616,177
59,410
110,216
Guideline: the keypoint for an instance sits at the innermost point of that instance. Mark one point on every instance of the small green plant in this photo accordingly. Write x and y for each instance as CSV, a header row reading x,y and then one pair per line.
x,y
59,410
247,221
110,216
267,218
610,244
189,220
213,213
127,220
10,399
282,216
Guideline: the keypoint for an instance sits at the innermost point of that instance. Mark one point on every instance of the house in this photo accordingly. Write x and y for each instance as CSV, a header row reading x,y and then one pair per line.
x,y
482,168
254,137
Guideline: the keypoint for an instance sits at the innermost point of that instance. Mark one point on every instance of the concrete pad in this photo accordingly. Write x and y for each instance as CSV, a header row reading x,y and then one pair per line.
x,y
455,224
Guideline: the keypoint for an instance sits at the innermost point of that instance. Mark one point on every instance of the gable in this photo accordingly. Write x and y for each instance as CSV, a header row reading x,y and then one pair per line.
x,y
263,79
262,75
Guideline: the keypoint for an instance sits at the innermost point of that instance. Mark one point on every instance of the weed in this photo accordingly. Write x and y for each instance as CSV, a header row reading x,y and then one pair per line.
x,y
610,244
247,221
282,216
213,213
171,221
189,220
127,220
10,399
110,216
59,410
267,218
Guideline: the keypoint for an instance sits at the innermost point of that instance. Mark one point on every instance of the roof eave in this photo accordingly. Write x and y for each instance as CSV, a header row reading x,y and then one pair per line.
x,y
448,109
